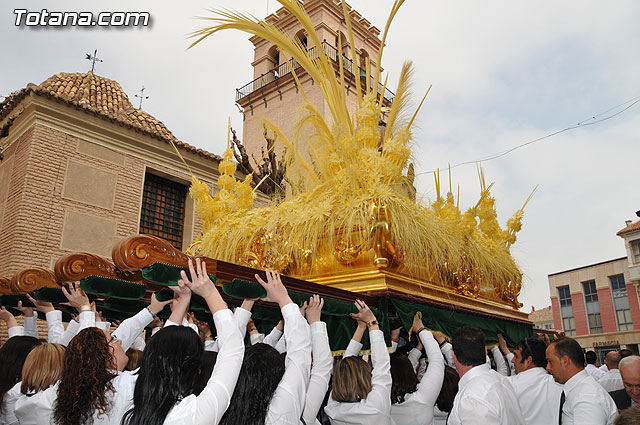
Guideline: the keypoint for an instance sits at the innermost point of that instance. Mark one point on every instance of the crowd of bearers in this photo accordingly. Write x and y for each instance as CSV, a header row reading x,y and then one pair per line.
x,y
85,374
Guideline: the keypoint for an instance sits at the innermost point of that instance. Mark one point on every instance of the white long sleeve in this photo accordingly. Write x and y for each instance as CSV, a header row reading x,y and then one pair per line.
x,y
87,319
353,349
273,337
208,407
31,326
256,338
320,371
414,357
130,328
512,367
55,328
71,331
15,331
241,317
501,365
289,398
447,352
281,345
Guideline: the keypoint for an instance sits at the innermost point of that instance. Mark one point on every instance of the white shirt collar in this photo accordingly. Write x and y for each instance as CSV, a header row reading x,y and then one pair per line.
x,y
575,380
473,372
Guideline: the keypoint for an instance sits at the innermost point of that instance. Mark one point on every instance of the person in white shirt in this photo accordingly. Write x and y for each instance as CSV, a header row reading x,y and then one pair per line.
x,y
612,381
538,394
93,388
270,391
170,364
322,361
361,395
12,357
41,370
583,401
412,403
484,396
592,358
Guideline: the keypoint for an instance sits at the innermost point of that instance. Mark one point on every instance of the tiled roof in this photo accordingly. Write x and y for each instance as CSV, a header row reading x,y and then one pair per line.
x,y
102,97
630,228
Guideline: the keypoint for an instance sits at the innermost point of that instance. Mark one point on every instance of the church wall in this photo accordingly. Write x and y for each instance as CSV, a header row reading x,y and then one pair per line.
x,y
13,166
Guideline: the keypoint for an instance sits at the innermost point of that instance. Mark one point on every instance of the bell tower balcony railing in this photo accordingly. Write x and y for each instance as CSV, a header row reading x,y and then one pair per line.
x,y
283,69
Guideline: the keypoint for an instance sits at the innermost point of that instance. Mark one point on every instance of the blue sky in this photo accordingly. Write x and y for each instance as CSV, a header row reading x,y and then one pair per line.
x,y
503,73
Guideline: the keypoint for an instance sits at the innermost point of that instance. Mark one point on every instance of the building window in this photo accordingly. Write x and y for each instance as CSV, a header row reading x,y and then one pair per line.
x,y
593,307
635,247
566,311
621,302
163,209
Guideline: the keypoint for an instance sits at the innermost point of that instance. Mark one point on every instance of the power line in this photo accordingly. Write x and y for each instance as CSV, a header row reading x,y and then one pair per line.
x,y
589,121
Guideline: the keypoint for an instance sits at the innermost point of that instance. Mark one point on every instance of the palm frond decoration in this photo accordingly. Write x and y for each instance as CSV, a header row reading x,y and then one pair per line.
x,y
344,175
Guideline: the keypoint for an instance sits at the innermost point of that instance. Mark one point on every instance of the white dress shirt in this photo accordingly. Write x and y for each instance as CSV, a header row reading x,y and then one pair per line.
x,y
8,417
273,337
501,365
417,408
31,326
597,373
34,409
213,401
376,408
485,397
320,372
586,402
447,352
119,400
612,381
512,367
538,396
288,400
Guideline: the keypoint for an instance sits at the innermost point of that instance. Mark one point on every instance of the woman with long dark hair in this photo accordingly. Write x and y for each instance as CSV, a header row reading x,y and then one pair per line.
x,y
270,390
12,356
361,395
412,402
170,366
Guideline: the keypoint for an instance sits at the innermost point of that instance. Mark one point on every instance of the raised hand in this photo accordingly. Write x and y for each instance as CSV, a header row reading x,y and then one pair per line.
x,y
156,306
201,284
26,311
502,344
417,325
303,308
364,313
314,309
8,318
276,292
76,296
41,305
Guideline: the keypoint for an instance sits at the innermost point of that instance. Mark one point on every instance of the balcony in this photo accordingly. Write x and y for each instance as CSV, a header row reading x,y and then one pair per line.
x,y
277,73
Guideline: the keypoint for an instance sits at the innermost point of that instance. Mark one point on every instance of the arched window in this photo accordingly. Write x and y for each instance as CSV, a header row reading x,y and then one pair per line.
x,y
274,56
301,36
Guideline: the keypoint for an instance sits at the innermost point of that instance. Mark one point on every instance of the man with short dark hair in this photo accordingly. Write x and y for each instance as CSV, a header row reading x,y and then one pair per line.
x,y
593,370
538,394
612,381
630,372
583,400
484,396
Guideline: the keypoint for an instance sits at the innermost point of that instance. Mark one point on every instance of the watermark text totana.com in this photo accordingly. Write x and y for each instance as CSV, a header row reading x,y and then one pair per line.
x,y
45,18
